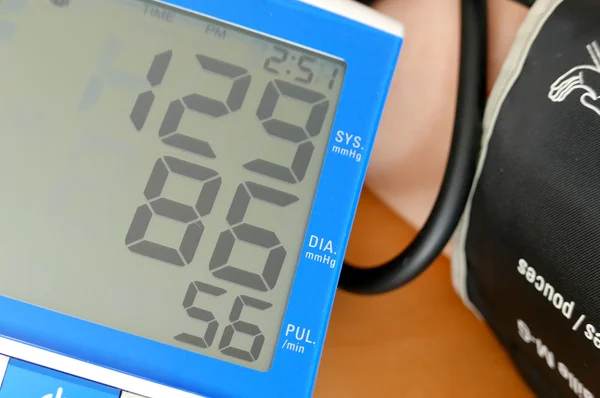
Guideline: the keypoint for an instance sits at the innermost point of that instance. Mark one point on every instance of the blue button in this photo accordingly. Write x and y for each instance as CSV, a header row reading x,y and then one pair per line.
x,y
24,380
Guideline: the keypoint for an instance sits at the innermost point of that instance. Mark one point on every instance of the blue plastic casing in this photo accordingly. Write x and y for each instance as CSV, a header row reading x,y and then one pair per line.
x,y
371,56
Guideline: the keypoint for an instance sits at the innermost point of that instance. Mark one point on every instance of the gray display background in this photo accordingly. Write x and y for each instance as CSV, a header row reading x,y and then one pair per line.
x,y
75,167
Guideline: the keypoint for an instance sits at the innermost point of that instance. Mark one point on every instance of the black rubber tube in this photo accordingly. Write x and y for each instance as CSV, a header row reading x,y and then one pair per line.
x,y
460,170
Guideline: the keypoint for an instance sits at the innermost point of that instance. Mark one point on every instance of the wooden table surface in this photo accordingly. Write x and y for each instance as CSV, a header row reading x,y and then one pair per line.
x,y
419,341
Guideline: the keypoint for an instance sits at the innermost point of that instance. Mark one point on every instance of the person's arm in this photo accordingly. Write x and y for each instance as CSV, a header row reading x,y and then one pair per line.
x,y
410,153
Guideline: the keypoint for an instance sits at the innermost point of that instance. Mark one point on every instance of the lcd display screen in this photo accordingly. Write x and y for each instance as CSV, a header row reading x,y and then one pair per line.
x,y
159,169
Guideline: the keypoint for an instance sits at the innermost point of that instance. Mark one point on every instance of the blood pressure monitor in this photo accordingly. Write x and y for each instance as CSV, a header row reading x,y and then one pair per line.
x,y
179,180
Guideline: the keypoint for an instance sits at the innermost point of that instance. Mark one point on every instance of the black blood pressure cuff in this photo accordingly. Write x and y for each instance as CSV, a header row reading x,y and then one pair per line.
x,y
527,257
